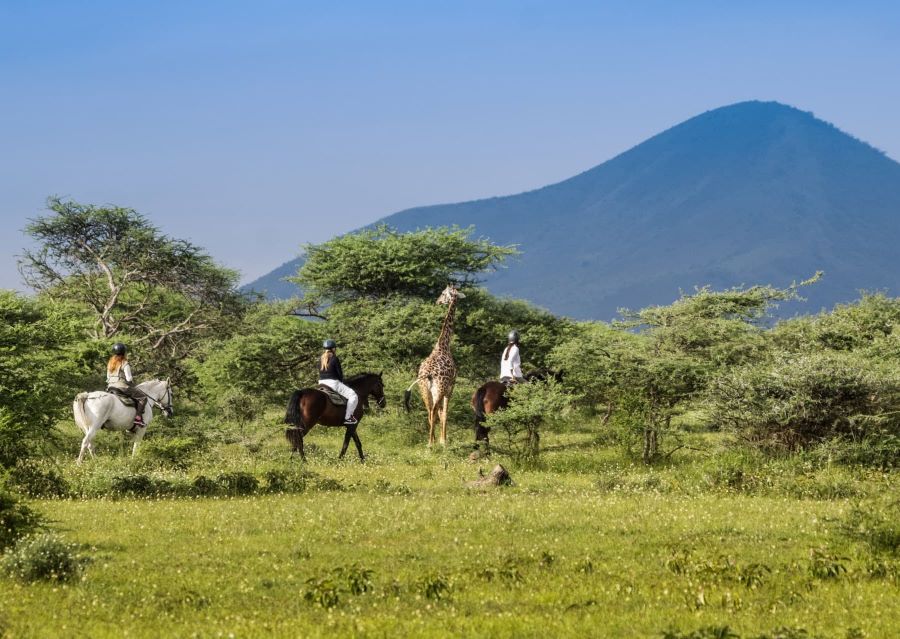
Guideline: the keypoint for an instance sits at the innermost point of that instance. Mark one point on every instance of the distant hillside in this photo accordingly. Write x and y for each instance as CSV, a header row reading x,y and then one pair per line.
x,y
756,192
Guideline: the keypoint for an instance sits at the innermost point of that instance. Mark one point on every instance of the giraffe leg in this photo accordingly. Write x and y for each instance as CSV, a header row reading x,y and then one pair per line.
x,y
428,400
444,409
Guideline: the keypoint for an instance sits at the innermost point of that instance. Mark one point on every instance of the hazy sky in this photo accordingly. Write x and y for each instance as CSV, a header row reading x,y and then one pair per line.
x,y
252,127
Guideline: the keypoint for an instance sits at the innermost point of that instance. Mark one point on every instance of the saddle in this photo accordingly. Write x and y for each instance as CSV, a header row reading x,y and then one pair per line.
x,y
122,397
335,398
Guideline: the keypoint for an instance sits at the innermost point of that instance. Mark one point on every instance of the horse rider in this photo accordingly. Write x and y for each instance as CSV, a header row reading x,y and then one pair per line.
x,y
332,375
511,362
120,381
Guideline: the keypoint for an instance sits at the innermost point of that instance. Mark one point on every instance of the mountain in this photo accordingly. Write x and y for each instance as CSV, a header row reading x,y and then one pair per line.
x,y
751,193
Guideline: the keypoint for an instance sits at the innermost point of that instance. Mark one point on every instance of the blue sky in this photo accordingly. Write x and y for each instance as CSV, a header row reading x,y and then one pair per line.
x,y
253,127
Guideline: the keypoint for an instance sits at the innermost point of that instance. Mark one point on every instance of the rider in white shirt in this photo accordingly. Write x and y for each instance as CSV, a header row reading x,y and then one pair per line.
x,y
511,362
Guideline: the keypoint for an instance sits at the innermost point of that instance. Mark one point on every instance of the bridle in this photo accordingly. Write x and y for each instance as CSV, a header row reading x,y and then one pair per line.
x,y
167,407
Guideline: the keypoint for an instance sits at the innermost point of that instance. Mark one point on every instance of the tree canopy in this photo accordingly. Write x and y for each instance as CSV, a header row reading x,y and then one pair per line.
x,y
382,261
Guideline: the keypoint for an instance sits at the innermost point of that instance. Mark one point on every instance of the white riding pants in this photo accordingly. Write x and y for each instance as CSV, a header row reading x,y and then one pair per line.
x,y
344,391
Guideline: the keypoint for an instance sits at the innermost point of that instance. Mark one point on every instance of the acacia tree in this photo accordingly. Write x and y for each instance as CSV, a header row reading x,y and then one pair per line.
x,y
163,293
376,263
647,365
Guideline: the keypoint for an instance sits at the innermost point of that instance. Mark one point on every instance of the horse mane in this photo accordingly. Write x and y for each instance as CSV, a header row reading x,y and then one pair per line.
x,y
358,378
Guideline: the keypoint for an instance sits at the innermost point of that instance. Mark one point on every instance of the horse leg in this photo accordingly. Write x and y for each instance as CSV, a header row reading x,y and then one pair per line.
x,y
87,443
358,444
346,441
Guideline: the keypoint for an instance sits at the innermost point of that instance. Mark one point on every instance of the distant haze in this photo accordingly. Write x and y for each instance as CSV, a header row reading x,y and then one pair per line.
x,y
253,127
752,193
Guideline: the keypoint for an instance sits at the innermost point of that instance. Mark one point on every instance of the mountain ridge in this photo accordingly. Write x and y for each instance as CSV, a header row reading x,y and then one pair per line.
x,y
754,192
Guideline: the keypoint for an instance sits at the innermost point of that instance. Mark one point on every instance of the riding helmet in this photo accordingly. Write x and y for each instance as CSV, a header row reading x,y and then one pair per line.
x,y
329,344
513,337
119,348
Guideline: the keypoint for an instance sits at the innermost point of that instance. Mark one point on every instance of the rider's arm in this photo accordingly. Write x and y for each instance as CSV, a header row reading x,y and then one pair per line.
x,y
339,371
516,362
126,370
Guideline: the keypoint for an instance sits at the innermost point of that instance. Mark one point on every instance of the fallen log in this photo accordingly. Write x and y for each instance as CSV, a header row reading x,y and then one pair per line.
x,y
499,476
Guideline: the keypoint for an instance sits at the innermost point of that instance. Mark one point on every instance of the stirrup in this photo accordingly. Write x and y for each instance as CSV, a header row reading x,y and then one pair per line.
x,y
351,421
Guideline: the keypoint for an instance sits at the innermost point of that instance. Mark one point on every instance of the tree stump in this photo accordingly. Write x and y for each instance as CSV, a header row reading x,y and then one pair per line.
x,y
499,476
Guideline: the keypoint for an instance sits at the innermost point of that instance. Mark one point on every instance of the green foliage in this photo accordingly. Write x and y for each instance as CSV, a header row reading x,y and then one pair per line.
x,y
37,478
269,355
162,293
16,519
532,406
877,526
238,483
43,558
39,371
382,261
795,400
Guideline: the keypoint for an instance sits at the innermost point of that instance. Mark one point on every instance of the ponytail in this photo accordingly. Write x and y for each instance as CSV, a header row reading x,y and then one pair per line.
x,y
325,360
115,363
506,352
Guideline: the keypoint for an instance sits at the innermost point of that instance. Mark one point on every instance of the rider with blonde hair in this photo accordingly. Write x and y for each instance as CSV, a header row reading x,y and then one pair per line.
x,y
332,375
120,381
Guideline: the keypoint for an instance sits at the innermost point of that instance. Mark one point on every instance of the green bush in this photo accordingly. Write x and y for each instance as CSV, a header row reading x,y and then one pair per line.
x,y
203,486
238,483
174,452
797,400
16,519
37,479
279,481
43,558
140,485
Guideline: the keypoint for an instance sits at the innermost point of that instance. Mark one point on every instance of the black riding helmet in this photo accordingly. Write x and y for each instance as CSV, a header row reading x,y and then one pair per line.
x,y
119,348
329,345
513,337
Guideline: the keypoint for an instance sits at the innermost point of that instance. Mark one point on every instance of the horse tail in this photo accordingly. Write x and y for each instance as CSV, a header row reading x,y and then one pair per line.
x,y
78,411
408,393
293,415
478,404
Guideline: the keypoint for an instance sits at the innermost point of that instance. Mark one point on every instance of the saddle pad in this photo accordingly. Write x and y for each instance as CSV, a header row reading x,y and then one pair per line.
x,y
334,396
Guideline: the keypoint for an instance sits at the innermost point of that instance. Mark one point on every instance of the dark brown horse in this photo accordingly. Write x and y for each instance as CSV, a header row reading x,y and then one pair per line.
x,y
491,397
309,406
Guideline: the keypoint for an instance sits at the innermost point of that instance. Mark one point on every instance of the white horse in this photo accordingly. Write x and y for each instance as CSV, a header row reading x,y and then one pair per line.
x,y
100,409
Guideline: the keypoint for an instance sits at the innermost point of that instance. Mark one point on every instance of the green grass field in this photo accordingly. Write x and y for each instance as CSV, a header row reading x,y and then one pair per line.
x,y
584,544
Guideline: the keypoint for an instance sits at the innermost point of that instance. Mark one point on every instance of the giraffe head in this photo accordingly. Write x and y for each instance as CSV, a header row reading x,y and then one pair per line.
x,y
450,294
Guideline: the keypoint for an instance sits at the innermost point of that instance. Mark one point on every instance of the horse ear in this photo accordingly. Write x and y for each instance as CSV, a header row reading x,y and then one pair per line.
x,y
381,374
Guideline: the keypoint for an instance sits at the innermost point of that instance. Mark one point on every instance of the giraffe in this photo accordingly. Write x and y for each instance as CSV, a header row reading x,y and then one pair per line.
x,y
437,373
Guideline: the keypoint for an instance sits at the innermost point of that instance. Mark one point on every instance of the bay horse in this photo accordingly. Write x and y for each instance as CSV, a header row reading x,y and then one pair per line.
x,y
93,411
310,406
491,397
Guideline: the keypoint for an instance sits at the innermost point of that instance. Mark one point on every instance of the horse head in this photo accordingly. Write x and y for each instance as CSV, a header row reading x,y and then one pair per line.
x,y
369,384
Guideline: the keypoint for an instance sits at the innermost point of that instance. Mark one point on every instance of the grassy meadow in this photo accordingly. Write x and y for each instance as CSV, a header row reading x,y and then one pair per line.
x,y
213,530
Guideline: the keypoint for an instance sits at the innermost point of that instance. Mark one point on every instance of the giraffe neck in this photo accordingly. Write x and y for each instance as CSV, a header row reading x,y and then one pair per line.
x,y
443,343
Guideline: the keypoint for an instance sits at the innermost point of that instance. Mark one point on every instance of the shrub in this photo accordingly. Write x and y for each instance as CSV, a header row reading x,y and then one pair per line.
x,y
238,483
16,519
43,558
174,452
531,406
279,481
137,485
204,486
37,480
435,587
800,399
